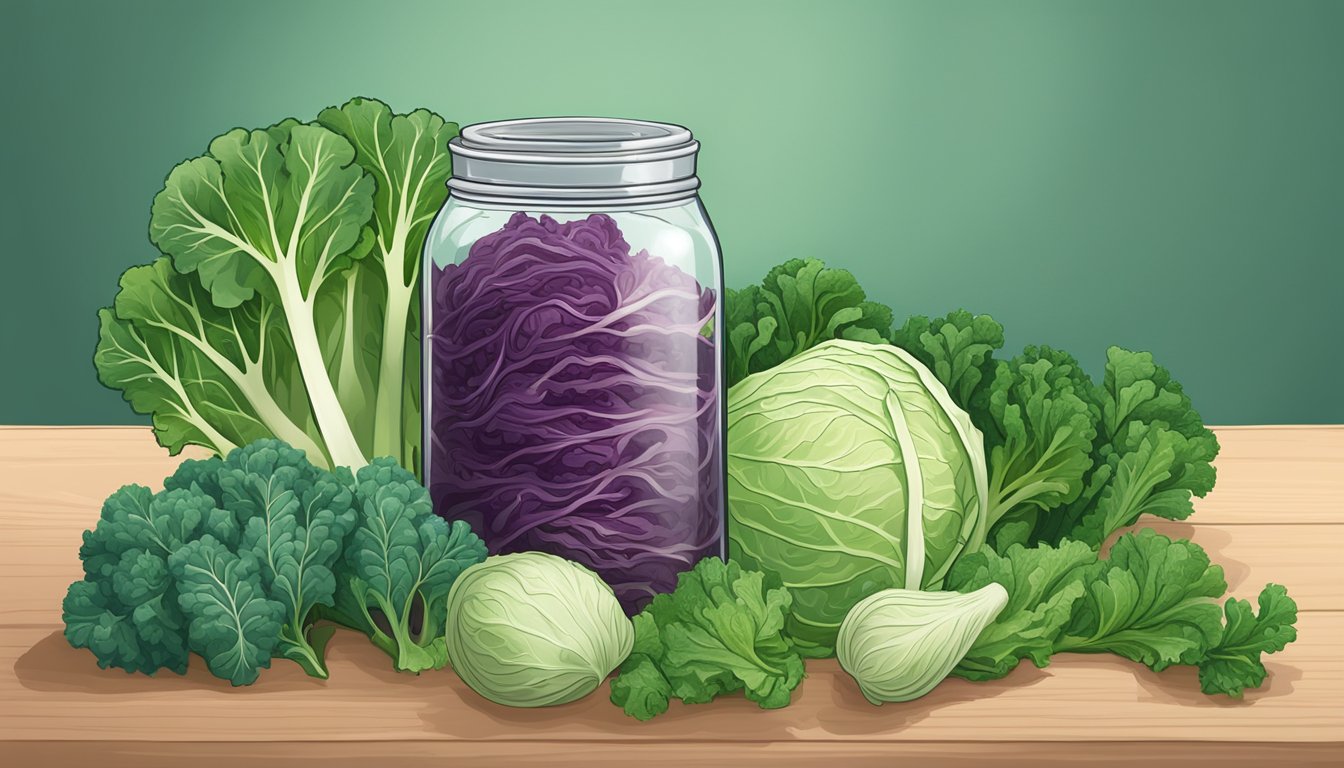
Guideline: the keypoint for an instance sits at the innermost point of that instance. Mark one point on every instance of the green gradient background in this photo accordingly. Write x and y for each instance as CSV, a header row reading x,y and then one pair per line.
x,y
1161,175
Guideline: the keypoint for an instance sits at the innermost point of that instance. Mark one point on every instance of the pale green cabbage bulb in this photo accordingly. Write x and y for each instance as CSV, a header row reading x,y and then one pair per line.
x,y
534,630
850,471
900,643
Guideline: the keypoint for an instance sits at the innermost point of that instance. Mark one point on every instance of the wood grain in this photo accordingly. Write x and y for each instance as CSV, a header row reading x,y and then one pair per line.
x,y
1276,516
1077,698
680,753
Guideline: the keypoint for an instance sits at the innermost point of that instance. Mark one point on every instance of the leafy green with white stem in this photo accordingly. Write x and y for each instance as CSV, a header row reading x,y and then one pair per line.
x,y
287,305
280,212
407,156
210,376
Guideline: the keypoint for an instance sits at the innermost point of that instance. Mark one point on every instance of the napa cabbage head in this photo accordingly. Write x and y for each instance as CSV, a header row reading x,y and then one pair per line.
x,y
850,471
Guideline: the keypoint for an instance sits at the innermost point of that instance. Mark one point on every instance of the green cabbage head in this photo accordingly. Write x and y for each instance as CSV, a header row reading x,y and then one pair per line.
x,y
534,630
850,471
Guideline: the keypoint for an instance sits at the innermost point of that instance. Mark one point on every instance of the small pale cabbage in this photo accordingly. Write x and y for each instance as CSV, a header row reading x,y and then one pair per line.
x,y
534,630
899,643
850,471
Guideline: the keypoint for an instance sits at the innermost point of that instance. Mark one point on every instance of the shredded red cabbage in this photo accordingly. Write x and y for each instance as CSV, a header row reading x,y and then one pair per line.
x,y
573,405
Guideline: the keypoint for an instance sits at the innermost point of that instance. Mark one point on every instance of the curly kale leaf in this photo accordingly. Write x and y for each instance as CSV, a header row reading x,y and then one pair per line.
x,y
202,474
1149,469
232,624
294,519
399,566
719,632
264,504
1136,389
143,636
135,518
798,305
1068,459
125,609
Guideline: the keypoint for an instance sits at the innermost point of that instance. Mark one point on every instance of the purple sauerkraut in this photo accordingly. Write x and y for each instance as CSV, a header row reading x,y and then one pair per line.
x,y
573,405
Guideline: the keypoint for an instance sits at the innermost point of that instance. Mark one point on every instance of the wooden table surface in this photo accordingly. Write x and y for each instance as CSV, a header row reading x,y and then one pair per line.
x,y
1275,516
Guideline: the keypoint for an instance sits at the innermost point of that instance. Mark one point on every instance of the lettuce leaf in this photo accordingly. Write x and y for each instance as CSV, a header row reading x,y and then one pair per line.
x,y
798,305
1044,584
1152,600
719,632
1234,664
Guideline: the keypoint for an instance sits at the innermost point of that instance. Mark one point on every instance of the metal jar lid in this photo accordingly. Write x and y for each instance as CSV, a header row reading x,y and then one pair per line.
x,y
573,161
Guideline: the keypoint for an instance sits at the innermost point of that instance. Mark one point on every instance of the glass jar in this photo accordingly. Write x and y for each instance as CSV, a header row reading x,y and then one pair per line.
x,y
572,361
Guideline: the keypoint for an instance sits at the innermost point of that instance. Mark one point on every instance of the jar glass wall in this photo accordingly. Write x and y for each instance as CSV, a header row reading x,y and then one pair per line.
x,y
572,366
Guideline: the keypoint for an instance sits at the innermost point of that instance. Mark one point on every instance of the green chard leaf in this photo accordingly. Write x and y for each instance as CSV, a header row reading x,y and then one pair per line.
x,y
1044,585
798,305
275,216
232,624
294,520
719,632
1150,601
402,560
1234,664
156,378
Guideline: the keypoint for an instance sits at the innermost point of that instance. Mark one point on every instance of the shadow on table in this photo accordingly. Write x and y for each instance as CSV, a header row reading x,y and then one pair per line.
x,y
827,697
1180,685
52,665
1212,540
